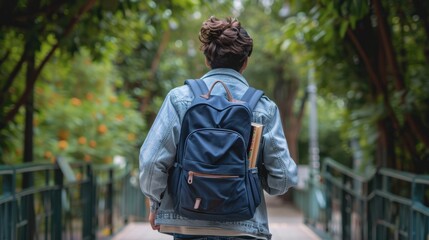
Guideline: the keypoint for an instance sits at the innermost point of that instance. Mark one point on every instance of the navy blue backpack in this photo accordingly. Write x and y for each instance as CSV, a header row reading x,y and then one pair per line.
x,y
211,179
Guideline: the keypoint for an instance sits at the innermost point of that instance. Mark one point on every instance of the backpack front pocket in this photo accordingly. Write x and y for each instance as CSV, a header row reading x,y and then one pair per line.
x,y
215,147
213,194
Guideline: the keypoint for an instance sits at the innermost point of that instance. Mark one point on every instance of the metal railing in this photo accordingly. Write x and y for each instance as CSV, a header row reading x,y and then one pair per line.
x,y
385,204
93,204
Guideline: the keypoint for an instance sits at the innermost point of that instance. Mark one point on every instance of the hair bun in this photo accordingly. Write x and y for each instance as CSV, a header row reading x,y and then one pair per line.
x,y
221,32
224,41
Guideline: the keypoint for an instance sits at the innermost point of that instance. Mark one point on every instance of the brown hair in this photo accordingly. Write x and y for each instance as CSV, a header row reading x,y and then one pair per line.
x,y
225,43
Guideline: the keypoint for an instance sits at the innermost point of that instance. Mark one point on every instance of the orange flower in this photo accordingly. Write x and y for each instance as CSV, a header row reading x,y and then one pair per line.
x,y
102,129
89,96
63,134
92,143
113,99
126,104
47,155
120,117
62,144
78,176
81,140
131,137
76,102
87,158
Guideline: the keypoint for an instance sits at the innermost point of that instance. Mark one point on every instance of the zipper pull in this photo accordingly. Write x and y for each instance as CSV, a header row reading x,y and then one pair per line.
x,y
197,203
190,177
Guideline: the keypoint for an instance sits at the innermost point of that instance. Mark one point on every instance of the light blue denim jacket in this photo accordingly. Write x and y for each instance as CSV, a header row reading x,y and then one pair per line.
x,y
157,154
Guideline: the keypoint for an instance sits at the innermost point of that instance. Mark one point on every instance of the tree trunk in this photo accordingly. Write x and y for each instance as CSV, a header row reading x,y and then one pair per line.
x,y
10,115
381,67
146,101
28,178
285,93
292,136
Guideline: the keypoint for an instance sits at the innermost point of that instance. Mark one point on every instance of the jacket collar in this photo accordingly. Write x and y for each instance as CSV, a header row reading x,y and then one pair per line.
x,y
225,74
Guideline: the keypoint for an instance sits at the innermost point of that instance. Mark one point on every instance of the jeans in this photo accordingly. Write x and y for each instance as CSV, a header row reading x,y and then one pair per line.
x,y
187,237
213,238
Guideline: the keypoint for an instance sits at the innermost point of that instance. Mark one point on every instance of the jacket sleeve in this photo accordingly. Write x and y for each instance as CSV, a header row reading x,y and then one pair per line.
x,y
280,170
158,152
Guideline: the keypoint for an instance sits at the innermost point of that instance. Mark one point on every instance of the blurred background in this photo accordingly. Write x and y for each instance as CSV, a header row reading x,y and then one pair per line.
x,y
96,73
91,75
83,80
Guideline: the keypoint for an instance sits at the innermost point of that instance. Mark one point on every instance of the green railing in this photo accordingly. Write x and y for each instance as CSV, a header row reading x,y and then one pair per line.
x,y
83,201
384,204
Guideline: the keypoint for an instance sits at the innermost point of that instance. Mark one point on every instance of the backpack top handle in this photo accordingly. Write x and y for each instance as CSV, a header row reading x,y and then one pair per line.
x,y
199,88
228,93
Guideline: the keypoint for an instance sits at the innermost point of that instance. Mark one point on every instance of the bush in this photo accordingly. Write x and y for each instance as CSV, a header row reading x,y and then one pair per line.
x,y
80,116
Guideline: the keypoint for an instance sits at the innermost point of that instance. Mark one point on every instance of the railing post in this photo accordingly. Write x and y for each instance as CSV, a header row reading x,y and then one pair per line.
x,y
109,199
379,207
375,204
9,186
126,193
56,223
88,191
328,196
27,207
366,221
417,196
344,215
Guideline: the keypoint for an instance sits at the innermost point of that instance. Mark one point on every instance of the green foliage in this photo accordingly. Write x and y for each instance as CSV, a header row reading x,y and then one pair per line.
x,y
373,56
332,137
80,116
139,50
281,54
107,29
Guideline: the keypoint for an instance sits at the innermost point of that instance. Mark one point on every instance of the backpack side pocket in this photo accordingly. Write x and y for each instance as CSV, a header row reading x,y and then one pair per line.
x,y
254,190
173,185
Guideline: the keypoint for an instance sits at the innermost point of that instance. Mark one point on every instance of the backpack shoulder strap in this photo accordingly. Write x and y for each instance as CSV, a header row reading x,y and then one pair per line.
x,y
198,87
252,96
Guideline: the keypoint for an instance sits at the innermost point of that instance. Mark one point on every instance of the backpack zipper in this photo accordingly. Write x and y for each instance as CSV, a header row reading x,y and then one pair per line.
x,y
191,175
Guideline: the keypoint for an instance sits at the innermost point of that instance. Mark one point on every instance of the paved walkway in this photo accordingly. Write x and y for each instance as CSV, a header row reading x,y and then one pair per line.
x,y
286,223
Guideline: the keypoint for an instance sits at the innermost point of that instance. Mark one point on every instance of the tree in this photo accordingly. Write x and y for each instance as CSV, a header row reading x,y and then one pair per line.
x,y
30,23
374,55
142,49
20,24
81,117
32,31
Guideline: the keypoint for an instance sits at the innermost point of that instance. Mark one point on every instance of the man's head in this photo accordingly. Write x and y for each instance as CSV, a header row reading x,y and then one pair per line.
x,y
225,43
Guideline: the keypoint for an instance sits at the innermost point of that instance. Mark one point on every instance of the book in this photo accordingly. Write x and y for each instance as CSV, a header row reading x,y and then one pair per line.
x,y
255,142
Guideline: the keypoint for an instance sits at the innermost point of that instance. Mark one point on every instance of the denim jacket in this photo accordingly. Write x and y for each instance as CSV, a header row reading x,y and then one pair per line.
x,y
157,154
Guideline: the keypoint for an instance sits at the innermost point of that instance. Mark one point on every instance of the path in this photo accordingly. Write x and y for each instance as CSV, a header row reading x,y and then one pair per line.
x,y
286,223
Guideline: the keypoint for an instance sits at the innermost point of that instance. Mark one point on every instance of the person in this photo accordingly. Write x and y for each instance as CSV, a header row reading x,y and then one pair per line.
x,y
227,47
